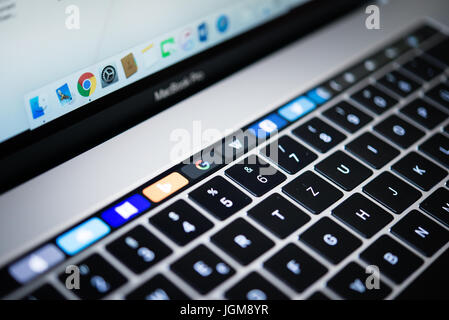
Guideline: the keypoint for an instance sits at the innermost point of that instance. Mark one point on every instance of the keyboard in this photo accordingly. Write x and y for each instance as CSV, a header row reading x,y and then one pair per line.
x,y
347,180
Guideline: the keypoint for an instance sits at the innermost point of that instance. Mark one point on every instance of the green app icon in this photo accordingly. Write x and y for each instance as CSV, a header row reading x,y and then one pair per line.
x,y
167,47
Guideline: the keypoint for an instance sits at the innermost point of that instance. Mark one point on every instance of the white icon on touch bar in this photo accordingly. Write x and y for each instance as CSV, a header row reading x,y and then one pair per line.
x,y
84,236
268,126
37,264
164,187
126,210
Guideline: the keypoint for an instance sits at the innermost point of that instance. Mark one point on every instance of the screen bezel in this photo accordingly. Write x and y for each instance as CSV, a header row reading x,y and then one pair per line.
x,y
34,152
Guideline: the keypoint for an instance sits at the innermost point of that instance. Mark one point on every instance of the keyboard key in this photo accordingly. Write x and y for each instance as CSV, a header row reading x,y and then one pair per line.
x,y
440,94
279,215
330,240
295,267
437,205
418,170
392,192
441,52
255,175
157,288
347,116
289,155
45,292
372,150
423,113
341,169
220,198
374,99
319,135
399,131
421,233
425,286
423,69
399,83
181,222
350,283
393,259
312,192
437,148
97,278
362,215
242,241
139,249
254,287
202,269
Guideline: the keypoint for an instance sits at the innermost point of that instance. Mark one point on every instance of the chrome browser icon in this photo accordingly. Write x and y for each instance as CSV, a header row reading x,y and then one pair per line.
x,y
87,84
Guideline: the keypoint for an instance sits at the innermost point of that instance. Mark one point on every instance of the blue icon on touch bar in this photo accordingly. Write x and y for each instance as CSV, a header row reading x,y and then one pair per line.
x,y
125,210
297,108
268,125
82,236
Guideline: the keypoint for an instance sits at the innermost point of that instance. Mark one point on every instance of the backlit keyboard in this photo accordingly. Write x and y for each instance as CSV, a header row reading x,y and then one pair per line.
x,y
296,205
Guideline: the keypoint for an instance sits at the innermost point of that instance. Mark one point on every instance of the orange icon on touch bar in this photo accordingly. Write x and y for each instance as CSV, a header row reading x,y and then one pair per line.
x,y
161,189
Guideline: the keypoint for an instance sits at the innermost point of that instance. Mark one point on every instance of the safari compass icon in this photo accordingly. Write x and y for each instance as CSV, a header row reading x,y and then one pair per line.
x,y
108,75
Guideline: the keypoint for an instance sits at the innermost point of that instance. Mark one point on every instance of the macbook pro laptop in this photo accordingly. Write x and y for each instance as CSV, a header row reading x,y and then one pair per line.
x,y
251,149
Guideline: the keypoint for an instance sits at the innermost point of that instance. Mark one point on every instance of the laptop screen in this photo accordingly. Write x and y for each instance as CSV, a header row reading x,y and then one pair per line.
x,y
76,73
57,57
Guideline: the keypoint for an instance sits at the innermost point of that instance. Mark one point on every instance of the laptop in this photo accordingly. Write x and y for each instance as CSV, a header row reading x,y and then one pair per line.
x,y
269,149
